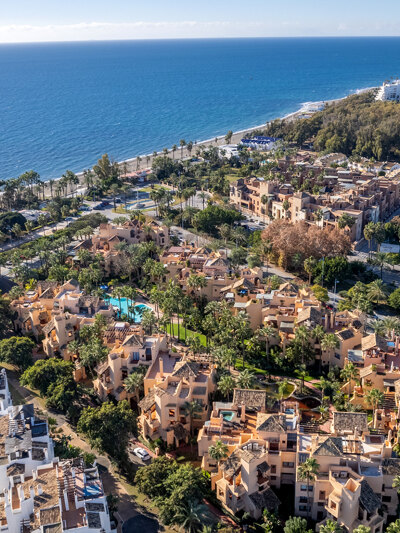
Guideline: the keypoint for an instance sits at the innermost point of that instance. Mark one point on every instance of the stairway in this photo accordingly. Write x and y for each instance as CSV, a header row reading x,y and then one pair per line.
x,y
389,402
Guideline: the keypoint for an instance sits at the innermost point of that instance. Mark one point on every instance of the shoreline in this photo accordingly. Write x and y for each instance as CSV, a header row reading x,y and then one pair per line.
x,y
147,159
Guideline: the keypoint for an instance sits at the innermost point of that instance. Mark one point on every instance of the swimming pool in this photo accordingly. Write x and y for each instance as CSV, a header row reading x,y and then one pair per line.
x,y
228,415
137,309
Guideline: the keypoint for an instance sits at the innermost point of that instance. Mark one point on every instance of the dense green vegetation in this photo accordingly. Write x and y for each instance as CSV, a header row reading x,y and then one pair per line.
x,y
356,126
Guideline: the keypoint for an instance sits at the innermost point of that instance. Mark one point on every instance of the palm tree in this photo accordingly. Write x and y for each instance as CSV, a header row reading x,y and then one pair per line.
x,y
226,385
182,143
218,451
190,516
283,389
329,342
268,332
377,291
379,327
330,526
309,266
203,197
118,293
245,379
374,398
173,150
380,261
349,372
302,374
369,232
133,384
307,472
191,409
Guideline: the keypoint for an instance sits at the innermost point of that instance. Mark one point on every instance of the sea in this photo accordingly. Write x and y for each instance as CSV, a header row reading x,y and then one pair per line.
x,y
62,105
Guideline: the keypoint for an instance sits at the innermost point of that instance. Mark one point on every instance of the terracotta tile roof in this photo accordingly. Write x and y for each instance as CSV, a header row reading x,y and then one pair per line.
x,y
343,421
265,500
252,399
368,499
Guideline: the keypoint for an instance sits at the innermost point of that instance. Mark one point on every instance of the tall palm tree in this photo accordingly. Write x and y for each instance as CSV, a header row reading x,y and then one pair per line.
x,y
119,293
268,332
191,409
245,379
226,385
283,390
182,144
218,451
374,398
134,383
307,472
302,374
329,342
173,150
349,373
377,291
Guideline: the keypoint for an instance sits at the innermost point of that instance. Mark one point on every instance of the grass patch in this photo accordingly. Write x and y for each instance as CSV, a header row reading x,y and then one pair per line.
x,y
189,333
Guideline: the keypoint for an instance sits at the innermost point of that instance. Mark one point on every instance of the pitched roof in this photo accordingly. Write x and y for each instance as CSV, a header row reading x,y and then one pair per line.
x,y
188,369
232,464
343,421
368,499
332,446
252,399
273,423
309,313
373,341
148,401
265,500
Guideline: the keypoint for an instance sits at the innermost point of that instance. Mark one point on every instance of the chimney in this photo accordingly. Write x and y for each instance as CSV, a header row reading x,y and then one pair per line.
x,y
161,367
243,413
40,489
333,316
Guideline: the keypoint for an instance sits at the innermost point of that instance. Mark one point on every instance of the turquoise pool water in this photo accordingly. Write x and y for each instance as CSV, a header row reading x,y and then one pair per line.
x,y
228,415
138,308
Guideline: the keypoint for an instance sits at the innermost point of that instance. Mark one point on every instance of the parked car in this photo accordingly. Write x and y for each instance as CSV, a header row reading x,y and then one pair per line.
x,y
142,454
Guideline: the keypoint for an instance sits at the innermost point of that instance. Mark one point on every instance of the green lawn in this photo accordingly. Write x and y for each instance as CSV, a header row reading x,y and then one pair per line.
x,y
189,333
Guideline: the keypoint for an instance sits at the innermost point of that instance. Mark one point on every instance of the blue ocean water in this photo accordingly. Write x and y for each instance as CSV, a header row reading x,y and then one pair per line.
x,y
62,105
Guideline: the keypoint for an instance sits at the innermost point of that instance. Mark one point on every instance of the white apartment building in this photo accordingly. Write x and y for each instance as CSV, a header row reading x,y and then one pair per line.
x,y
390,91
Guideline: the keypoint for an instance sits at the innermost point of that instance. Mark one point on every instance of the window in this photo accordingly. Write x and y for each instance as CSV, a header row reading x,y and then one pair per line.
x,y
273,469
303,499
386,499
337,355
303,457
288,464
304,487
273,478
135,356
321,495
302,507
171,413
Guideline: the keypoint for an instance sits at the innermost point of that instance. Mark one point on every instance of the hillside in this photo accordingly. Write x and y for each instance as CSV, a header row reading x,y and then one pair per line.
x,y
358,126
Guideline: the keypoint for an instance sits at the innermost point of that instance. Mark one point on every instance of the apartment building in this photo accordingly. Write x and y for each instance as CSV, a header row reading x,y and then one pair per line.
x,y
130,350
172,382
364,198
38,492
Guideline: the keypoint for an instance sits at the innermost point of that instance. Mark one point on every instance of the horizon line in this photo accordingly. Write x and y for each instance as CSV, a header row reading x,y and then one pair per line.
x,y
146,39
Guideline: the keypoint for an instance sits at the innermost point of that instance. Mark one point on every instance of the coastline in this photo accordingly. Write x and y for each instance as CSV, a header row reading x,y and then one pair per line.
x,y
146,160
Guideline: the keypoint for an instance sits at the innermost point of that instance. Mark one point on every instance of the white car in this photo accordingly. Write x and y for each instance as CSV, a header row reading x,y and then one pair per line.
x,y
142,454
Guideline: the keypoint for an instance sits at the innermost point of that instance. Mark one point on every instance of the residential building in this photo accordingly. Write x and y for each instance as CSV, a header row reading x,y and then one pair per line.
x,y
172,382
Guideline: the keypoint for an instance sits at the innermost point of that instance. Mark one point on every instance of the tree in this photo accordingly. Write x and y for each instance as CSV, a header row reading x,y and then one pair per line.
x,y
374,398
62,393
218,451
226,385
330,526
309,266
228,137
269,332
102,424
307,472
190,516
346,220
283,389
349,373
134,383
17,351
321,293
46,372
191,409
295,524
394,299
245,379
380,260
362,529
182,144
394,527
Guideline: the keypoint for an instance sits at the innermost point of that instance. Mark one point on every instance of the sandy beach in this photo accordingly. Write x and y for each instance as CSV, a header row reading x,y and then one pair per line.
x,y
147,159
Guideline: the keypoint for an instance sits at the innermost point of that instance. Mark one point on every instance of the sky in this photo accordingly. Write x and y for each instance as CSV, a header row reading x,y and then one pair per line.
x,y
78,20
